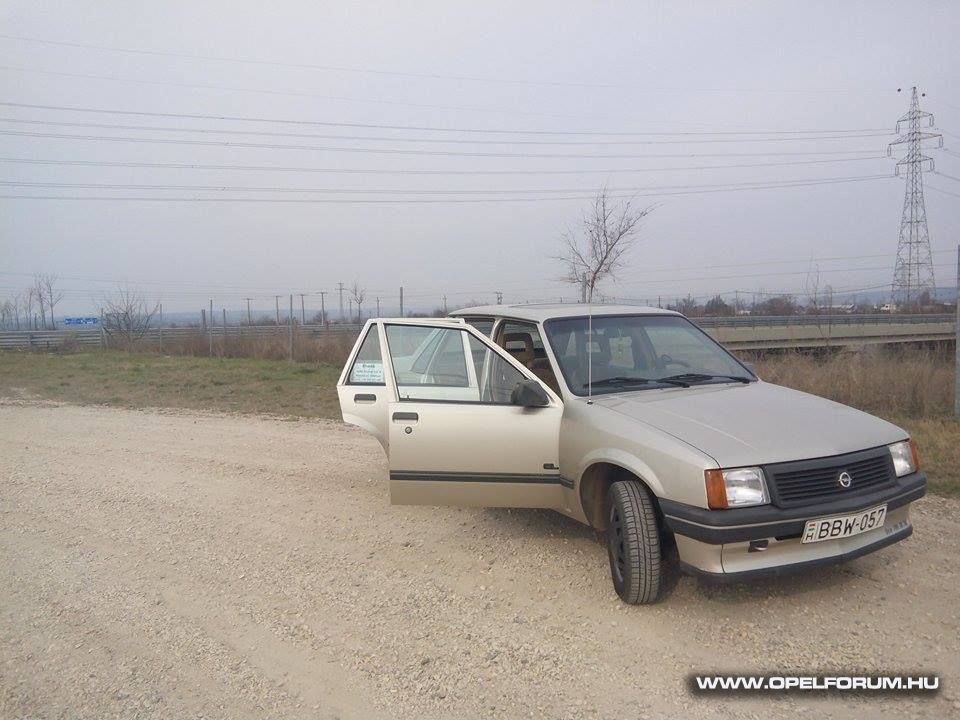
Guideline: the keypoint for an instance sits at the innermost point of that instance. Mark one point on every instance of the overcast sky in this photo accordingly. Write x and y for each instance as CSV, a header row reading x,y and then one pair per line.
x,y
701,68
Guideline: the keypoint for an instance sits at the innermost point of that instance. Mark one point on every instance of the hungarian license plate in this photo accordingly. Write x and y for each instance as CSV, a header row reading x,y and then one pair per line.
x,y
841,526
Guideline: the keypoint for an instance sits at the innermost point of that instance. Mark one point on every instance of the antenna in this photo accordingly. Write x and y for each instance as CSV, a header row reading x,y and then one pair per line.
x,y
913,272
590,348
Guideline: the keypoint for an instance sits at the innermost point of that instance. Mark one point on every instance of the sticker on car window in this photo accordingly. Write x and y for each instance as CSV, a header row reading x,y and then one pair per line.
x,y
367,372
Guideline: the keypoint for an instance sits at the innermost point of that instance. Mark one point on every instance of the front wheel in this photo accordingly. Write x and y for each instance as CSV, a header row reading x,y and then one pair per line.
x,y
633,543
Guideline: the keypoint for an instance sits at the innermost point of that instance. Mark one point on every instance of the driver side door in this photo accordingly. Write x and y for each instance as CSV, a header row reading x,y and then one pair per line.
x,y
455,437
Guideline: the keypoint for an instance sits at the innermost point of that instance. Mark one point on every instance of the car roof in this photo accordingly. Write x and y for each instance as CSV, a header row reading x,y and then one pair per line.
x,y
539,312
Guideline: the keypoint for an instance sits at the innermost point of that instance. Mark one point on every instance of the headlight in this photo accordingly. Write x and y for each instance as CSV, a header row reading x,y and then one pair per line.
x,y
905,460
736,488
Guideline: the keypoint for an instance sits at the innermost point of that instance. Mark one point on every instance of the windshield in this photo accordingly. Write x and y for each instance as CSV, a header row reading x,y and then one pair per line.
x,y
639,352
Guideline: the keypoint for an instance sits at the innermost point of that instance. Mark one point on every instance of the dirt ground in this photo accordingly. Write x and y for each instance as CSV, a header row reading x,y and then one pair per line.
x,y
174,564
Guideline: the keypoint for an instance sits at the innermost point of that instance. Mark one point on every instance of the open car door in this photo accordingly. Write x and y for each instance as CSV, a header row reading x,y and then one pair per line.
x,y
460,432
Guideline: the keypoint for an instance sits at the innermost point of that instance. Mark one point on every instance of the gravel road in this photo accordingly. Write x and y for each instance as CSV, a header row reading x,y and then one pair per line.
x,y
183,565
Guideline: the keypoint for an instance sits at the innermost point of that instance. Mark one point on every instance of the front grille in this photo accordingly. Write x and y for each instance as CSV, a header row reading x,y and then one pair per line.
x,y
809,481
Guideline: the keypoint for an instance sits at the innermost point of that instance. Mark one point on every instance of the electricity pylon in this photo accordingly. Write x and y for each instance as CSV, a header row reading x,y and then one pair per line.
x,y
913,273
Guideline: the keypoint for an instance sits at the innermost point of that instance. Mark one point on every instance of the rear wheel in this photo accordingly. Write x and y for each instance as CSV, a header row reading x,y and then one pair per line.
x,y
633,543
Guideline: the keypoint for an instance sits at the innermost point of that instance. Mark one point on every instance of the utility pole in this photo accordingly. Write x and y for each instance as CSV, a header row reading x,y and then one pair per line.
x,y
276,299
956,378
499,294
444,304
351,310
323,309
290,328
303,312
249,317
401,301
161,316
913,273
378,307
340,290
210,328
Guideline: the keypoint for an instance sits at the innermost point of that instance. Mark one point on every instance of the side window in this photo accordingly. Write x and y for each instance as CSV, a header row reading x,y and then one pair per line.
x,y
430,363
448,364
497,377
483,324
368,365
523,341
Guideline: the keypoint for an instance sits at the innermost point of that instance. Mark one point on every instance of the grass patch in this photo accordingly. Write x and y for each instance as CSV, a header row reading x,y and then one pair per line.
x,y
149,380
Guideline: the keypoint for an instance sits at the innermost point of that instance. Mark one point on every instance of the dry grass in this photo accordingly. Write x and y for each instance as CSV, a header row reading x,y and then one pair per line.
x,y
911,389
153,380
332,349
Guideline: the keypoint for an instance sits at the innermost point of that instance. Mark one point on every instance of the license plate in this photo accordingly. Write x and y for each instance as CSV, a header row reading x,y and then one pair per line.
x,y
842,526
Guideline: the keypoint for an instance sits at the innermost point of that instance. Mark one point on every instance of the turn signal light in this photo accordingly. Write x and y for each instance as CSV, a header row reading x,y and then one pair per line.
x,y
716,489
916,456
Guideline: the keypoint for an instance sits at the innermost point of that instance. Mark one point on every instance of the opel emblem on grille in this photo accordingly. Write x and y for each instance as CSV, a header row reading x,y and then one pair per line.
x,y
844,479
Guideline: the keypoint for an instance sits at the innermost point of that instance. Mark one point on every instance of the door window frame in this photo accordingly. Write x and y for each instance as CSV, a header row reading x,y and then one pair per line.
x,y
461,325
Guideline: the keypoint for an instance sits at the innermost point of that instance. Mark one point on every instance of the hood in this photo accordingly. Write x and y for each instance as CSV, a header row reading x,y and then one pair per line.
x,y
755,424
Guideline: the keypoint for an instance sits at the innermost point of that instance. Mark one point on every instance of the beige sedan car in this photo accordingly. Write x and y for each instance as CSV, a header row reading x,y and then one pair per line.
x,y
637,423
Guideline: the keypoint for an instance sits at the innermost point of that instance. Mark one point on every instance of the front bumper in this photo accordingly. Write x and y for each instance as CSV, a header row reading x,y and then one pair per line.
x,y
722,543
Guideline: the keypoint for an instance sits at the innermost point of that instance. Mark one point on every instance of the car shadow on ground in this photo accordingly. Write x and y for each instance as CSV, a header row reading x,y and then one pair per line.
x,y
538,523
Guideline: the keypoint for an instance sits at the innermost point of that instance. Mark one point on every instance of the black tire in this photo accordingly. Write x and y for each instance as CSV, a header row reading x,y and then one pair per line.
x,y
633,543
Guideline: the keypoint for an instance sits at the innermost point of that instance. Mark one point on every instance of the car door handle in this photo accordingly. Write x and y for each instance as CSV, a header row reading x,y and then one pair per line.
x,y
405,417
364,398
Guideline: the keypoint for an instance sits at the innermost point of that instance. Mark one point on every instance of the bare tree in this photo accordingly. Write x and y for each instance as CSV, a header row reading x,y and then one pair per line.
x,y
127,316
359,294
6,313
595,249
27,299
40,296
50,296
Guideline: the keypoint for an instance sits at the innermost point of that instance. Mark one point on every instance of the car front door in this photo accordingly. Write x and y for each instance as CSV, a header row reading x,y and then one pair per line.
x,y
455,436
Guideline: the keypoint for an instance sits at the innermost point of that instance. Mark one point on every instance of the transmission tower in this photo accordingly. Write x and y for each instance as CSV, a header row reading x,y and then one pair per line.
x,y
913,273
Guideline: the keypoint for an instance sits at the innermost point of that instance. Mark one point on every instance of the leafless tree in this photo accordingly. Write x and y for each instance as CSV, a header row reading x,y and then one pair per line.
x,y
27,300
358,294
40,297
594,250
127,316
6,313
50,296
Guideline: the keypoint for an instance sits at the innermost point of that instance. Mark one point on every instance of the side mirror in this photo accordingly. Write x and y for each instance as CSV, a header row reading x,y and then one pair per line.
x,y
529,393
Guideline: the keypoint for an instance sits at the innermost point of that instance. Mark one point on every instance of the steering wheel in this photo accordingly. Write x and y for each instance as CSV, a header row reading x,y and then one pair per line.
x,y
667,360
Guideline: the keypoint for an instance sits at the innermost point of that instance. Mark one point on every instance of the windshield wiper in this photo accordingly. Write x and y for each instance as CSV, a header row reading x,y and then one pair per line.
x,y
624,380
700,377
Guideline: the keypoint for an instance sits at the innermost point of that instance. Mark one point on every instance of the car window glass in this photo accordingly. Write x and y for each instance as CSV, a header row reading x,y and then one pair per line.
x,y
484,325
497,377
682,348
368,365
431,364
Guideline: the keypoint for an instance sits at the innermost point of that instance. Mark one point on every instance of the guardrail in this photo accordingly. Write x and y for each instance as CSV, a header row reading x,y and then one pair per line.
x,y
780,320
97,338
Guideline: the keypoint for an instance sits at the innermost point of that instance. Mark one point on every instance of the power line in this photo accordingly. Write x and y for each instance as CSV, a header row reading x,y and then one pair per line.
x,y
396,151
266,91
422,76
424,128
441,141
426,201
383,171
406,191
941,190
